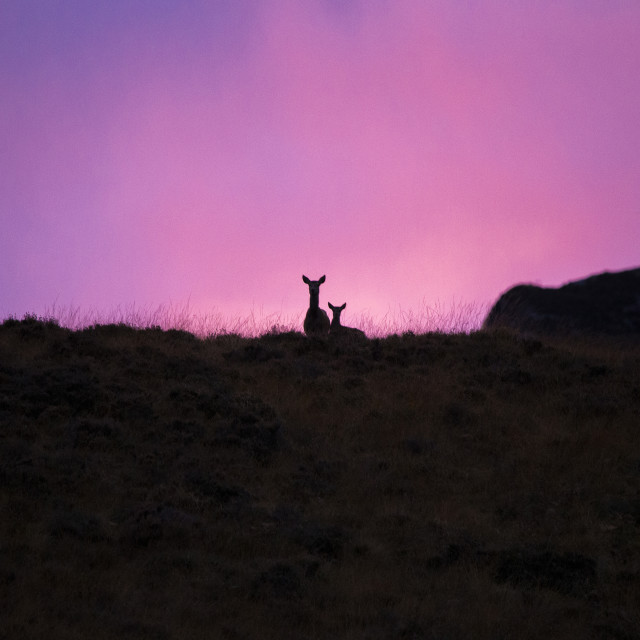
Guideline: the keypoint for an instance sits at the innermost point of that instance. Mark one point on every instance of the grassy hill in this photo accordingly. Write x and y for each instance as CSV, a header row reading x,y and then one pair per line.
x,y
155,485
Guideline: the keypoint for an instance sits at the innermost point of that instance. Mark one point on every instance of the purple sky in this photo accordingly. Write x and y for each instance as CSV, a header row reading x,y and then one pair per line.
x,y
159,151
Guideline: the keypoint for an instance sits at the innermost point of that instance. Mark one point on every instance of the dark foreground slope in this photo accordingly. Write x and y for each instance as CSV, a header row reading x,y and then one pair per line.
x,y
156,486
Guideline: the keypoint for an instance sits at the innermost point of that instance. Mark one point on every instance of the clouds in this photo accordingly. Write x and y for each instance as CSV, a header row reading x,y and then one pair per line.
x,y
410,151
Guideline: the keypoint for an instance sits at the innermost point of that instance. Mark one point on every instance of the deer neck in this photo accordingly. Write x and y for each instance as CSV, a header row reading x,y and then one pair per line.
x,y
314,300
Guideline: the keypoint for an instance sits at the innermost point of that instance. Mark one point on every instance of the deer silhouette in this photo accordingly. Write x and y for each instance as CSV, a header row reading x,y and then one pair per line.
x,y
316,322
336,329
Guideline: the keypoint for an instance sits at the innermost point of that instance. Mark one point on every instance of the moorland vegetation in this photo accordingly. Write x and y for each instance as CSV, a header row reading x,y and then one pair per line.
x,y
440,485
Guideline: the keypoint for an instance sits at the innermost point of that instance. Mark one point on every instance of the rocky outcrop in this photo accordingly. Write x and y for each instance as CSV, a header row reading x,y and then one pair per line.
x,y
603,304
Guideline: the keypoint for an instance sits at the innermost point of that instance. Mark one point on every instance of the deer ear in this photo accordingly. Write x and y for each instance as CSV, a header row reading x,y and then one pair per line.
x,y
322,279
331,306
343,306
305,279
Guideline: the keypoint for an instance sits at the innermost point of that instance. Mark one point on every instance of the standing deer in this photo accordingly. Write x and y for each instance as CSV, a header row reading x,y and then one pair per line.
x,y
316,322
337,329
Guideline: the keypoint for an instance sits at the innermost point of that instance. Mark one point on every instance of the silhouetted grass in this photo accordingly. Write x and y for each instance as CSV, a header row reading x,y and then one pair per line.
x,y
457,317
158,485
177,317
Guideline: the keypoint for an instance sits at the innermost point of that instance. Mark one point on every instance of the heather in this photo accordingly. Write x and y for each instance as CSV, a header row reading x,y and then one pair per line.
x,y
155,484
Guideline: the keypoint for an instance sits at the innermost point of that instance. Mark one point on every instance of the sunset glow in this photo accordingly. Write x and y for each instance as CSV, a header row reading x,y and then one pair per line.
x,y
213,152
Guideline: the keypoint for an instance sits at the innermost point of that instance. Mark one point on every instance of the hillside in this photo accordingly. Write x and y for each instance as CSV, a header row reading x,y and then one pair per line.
x,y
154,485
602,304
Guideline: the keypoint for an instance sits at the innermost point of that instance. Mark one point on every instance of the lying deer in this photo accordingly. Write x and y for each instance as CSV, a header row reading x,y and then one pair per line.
x,y
336,329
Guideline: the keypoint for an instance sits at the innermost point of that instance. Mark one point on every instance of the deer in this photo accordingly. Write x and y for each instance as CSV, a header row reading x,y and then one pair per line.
x,y
336,329
316,322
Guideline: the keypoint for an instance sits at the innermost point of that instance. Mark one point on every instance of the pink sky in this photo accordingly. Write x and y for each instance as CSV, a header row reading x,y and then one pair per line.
x,y
154,152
